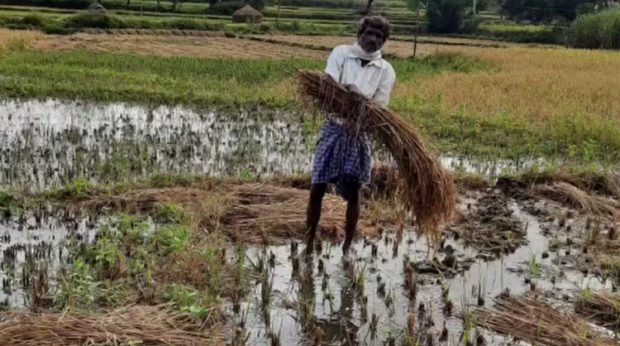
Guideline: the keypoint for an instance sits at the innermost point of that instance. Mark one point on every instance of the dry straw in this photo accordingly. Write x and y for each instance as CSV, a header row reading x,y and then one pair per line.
x,y
144,325
575,197
536,322
600,307
424,187
254,213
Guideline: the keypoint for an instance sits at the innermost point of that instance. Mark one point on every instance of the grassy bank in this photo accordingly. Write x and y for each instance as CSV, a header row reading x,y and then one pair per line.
x,y
522,33
492,103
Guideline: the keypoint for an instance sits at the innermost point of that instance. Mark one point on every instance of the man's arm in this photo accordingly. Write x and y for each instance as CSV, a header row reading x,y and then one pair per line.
x,y
382,95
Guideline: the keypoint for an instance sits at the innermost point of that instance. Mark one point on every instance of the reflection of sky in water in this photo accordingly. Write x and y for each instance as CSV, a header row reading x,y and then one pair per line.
x,y
40,241
46,143
51,142
387,268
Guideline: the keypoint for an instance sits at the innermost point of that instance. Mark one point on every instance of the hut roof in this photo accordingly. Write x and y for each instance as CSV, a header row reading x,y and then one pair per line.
x,y
95,6
247,11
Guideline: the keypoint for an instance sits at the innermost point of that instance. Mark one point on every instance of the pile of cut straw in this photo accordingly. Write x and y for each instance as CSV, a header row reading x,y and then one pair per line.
x,y
575,197
600,307
425,188
536,322
263,212
144,325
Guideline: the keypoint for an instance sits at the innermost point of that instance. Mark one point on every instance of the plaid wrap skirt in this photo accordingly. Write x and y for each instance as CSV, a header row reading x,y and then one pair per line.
x,y
342,156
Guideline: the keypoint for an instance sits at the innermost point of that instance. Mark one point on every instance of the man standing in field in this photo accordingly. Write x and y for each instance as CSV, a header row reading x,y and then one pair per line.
x,y
344,156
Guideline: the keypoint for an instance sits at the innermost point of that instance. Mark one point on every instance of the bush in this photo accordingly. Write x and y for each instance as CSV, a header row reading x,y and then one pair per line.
x,y
91,20
33,20
546,10
546,36
226,7
596,31
445,16
471,25
56,29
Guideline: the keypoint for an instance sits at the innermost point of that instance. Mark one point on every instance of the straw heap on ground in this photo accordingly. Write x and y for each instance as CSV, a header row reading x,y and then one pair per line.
x,y
144,325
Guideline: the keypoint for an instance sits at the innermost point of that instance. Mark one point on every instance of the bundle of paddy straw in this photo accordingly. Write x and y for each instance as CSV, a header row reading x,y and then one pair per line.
x,y
424,188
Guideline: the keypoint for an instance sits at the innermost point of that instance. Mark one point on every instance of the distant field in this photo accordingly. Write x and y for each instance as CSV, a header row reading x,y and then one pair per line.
x,y
174,46
306,20
398,46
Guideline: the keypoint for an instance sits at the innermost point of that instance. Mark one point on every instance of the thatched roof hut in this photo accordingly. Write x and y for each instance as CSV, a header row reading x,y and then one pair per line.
x,y
247,14
96,8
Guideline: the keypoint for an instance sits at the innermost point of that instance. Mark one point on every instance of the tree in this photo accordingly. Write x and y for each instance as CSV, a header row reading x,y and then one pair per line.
x,y
257,4
443,16
547,10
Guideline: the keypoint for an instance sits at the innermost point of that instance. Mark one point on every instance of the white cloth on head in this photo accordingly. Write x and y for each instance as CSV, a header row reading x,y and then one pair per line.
x,y
375,80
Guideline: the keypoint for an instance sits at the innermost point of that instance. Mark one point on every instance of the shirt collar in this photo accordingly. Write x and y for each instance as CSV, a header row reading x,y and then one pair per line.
x,y
375,62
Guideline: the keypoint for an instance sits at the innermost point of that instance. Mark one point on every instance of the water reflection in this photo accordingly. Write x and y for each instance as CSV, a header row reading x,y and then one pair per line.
x,y
47,143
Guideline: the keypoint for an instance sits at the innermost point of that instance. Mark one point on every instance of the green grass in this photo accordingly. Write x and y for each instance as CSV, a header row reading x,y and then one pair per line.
x,y
522,33
112,77
190,81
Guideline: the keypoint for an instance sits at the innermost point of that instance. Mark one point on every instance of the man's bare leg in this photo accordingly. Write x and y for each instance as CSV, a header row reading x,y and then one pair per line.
x,y
353,213
313,215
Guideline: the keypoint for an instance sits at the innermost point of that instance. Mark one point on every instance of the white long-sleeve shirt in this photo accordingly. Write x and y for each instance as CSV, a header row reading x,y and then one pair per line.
x,y
375,80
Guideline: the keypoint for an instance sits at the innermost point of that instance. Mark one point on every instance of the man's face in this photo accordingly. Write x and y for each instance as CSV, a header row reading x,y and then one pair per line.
x,y
372,39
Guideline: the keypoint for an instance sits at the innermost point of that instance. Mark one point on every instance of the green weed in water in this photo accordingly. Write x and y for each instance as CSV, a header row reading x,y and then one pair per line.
x,y
167,213
188,299
170,239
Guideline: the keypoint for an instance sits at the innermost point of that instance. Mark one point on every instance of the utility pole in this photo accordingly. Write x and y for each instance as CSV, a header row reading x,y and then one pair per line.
x,y
474,8
417,29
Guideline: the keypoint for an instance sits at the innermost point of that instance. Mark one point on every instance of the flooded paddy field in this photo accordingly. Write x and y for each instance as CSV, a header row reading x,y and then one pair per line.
x,y
50,143
212,250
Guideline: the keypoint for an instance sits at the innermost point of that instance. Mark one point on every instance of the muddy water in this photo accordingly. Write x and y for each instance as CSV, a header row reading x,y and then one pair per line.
x,y
48,143
326,284
340,296
29,243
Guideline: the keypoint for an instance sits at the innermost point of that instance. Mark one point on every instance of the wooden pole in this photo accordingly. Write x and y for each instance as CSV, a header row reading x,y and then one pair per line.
x,y
417,30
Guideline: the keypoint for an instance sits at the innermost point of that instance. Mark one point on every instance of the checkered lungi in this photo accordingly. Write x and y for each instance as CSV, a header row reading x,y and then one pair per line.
x,y
342,155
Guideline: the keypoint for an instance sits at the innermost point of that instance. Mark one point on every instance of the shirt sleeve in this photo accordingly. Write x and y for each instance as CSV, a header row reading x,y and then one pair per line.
x,y
382,95
335,63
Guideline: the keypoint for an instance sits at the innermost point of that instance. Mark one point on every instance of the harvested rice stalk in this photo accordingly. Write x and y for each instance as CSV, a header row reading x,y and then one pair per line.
x,y
602,308
538,323
248,212
425,188
144,325
264,212
571,195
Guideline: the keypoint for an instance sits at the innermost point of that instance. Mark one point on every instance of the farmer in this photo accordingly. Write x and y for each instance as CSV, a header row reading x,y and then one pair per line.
x,y
343,155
